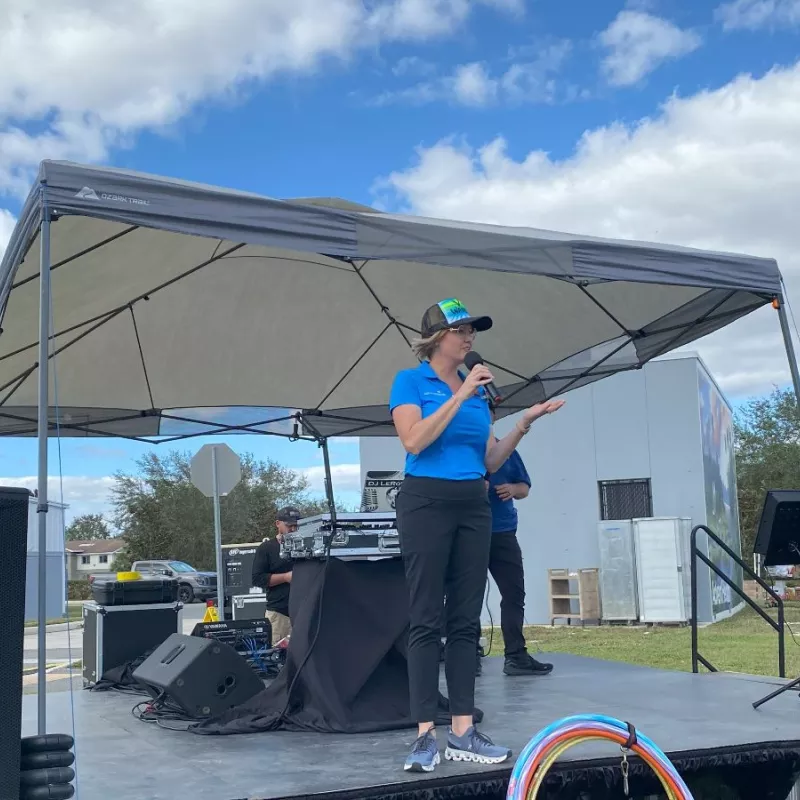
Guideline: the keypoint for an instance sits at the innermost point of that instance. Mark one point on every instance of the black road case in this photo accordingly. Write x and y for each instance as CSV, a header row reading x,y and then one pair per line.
x,y
249,606
111,592
115,635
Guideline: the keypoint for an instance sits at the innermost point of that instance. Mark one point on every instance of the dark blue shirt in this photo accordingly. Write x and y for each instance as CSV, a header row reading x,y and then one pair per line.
x,y
504,512
459,454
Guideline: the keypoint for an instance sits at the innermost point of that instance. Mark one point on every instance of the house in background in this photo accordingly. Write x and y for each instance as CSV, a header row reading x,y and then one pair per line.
x,y
90,556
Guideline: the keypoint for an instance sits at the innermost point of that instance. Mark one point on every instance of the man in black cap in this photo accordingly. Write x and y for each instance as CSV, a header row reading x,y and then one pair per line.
x,y
273,574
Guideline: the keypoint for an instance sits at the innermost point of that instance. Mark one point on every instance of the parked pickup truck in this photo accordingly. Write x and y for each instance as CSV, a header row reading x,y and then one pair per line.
x,y
192,584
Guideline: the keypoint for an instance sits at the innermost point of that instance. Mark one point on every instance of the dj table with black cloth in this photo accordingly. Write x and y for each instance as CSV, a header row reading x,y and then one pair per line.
x,y
355,679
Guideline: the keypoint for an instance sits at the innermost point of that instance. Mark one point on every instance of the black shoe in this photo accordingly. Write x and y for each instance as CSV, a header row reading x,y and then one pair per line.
x,y
525,664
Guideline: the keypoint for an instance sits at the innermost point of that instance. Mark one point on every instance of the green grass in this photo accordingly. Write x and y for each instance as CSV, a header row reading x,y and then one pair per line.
x,y
743,643
74,613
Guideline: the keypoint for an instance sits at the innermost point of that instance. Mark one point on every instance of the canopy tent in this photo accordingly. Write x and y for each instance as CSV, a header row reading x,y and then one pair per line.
x,y
163,309
181,309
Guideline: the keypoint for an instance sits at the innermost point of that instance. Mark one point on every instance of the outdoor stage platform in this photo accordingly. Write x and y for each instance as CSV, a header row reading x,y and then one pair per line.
x,y
705,723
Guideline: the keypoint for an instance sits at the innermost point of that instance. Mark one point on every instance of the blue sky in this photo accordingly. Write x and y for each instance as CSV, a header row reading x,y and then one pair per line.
x,y
661,119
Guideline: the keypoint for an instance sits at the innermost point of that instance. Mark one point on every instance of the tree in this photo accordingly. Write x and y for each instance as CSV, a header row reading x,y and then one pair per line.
x,y
767,456
88,527
162,514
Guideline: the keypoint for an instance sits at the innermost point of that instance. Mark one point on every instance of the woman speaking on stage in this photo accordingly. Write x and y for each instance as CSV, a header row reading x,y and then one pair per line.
x,y
444,522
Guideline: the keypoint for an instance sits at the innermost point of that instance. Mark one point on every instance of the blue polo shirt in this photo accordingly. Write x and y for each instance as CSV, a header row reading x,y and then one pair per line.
x,y
459,454
504,512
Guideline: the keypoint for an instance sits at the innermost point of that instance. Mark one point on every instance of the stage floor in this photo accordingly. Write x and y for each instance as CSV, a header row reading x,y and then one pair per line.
x,y
683,713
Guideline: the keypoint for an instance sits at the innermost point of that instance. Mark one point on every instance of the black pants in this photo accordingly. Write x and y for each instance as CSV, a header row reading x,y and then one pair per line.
x,y
505,565
445,530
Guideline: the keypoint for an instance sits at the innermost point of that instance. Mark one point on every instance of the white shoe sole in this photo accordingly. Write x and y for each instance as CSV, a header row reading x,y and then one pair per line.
x,y
464,755
423,767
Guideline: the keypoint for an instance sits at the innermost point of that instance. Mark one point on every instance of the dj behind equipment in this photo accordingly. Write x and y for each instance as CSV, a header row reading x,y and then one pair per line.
x,y
272,572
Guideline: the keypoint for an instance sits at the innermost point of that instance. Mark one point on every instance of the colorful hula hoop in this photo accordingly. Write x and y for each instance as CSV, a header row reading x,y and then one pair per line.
x,y
550,743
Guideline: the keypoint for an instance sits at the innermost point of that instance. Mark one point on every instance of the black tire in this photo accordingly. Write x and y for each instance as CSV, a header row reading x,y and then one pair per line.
x,y
46,777
185,594
57,791
64,758
47,743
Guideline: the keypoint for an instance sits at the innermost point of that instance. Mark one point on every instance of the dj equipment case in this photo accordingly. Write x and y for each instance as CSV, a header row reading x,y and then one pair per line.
x,y
251,639
110,592
115,635
363,536
248,606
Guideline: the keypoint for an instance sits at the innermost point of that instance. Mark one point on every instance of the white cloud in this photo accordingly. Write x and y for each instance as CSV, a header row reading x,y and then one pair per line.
x,y
346,478
102,72
638,43
83,495
413,65
420,19
755,14
475,84
720,170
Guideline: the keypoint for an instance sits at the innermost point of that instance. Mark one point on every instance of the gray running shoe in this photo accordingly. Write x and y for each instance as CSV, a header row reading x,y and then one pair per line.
x,y
474,746
424,755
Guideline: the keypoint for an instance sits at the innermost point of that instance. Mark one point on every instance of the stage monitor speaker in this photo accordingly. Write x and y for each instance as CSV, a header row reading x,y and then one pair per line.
x,y
13,557
202,677
778,536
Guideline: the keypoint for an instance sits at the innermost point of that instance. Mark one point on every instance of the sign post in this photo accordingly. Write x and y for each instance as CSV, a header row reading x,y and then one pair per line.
x,y
215,470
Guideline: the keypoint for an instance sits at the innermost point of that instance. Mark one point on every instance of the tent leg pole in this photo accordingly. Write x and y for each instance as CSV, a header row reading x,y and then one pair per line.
x,y
323,443
789,345
41,507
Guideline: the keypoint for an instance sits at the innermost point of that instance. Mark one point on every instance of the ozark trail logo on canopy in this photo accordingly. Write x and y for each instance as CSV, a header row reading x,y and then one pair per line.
x,y
87,193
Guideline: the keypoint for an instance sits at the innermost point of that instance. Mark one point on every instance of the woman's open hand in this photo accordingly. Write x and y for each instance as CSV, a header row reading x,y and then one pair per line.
x,y
533,413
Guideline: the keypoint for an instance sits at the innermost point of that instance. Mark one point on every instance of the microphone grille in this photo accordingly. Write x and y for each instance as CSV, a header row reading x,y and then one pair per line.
x,y
471,359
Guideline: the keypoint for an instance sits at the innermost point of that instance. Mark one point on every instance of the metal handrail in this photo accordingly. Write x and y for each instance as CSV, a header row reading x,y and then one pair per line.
x,y
778,626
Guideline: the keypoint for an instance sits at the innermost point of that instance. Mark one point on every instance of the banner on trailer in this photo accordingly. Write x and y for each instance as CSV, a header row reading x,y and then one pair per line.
x,y
380,490
722,507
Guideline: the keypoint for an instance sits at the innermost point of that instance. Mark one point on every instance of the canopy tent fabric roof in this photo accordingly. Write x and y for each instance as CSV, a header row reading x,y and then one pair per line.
x,y
181,309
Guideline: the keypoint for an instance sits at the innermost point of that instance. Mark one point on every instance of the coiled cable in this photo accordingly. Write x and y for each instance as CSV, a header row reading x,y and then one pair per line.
x,y
550,743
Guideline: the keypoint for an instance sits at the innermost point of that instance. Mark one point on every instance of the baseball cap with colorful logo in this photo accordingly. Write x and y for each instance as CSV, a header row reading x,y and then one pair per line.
x,y
451,313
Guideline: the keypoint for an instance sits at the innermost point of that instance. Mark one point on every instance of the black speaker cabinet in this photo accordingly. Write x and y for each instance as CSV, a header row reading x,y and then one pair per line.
x,y
202,677
13,557
778,536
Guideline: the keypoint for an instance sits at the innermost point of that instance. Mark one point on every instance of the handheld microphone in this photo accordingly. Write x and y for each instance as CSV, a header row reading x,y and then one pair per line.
x,y
472,359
